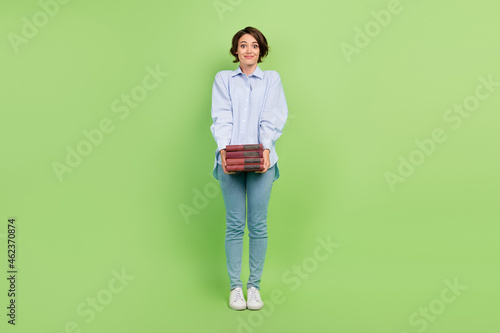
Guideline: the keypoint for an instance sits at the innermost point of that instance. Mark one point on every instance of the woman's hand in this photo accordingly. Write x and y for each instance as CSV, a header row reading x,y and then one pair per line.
x,y
223,162
267,161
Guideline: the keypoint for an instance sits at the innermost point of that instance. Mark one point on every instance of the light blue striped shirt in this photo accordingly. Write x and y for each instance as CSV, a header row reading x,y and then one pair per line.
x,y
248,109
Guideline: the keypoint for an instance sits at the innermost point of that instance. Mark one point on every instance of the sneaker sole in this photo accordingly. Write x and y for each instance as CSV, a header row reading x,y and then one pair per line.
x,y
255,308
237,309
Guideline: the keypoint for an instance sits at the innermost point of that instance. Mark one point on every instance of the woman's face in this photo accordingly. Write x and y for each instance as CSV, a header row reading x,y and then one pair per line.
x,y
248,50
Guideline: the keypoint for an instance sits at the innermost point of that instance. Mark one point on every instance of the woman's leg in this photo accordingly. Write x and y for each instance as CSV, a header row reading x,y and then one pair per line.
x,y
233,191
258,194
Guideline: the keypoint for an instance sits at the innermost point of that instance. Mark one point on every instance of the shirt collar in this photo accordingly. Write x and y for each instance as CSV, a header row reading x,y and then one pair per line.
x,y
257,72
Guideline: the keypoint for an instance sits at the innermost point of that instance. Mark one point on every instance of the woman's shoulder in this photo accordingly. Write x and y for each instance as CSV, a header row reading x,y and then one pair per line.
x,y
222,77
272,75
268,74
224,73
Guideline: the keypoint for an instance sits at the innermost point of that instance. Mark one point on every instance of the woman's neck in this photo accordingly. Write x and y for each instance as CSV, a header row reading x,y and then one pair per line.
x,y
248,69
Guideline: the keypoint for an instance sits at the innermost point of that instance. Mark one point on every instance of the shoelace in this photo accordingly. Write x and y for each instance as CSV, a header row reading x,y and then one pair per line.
x,y
252,294
238,295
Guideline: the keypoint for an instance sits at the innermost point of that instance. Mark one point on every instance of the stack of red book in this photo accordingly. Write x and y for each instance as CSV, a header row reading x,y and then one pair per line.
x,y
245,157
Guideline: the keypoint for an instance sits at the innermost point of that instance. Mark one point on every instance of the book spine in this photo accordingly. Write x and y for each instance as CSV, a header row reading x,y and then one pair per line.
x,y
244,147
243,154
245,167
235,161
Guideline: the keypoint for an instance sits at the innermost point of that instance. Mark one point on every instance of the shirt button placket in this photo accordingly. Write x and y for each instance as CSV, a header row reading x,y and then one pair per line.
x,y
246,104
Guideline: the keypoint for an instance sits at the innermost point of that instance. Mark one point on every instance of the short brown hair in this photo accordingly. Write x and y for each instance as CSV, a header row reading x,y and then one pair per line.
x,y
259,36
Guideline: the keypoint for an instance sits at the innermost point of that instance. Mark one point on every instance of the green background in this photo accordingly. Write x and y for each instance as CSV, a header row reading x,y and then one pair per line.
x,y
349,123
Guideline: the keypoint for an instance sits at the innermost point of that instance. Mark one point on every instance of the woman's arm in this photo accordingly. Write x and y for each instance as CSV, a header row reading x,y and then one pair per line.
x,y
267,161
222,113
274,116
222,116
223,162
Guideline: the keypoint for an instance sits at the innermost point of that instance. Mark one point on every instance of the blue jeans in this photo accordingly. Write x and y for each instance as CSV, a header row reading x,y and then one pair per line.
x,y
256,187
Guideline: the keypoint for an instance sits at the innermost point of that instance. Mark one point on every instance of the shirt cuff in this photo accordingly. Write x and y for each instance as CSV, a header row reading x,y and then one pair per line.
x,y
266,144
222,145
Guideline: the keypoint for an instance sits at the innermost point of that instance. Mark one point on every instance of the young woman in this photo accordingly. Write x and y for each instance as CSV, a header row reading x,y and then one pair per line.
x,y
248,107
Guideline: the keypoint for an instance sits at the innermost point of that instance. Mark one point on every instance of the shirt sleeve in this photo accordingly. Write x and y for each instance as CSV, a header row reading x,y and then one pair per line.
x,y
274,114
222,113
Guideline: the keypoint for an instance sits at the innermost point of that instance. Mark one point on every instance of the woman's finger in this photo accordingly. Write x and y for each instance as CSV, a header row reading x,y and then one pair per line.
x,y
266,167
225,170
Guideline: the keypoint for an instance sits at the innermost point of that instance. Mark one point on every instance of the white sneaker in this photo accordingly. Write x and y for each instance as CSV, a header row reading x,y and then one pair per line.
x,y
237,300
254,301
